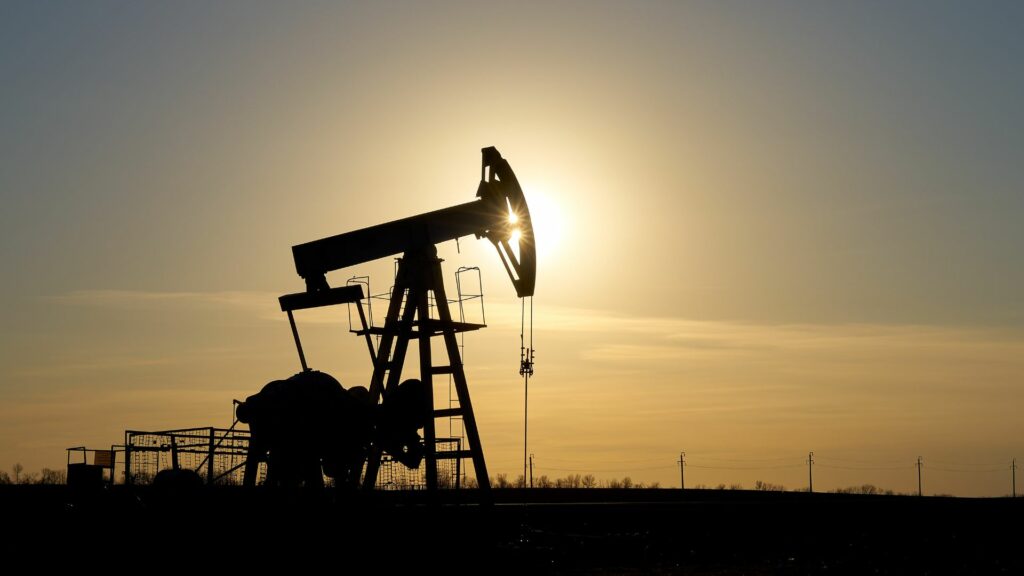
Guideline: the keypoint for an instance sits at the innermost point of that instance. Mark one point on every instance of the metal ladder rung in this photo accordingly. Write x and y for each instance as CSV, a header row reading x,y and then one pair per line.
x,y
448,412
442,370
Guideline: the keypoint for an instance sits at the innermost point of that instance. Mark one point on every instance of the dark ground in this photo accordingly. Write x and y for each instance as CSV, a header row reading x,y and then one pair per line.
x,y
699,532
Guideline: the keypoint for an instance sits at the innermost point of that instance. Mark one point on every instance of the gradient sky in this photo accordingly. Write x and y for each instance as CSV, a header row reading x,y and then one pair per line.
x,y
764,228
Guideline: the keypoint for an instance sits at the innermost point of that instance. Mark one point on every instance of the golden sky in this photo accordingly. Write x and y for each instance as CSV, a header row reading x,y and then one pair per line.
x,y
764,228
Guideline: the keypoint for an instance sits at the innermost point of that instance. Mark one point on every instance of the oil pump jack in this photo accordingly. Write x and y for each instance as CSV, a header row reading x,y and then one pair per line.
x,y
500,214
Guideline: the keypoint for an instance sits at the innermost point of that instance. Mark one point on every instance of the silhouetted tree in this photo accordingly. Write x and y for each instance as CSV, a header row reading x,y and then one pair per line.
x,y
570,481
762,486
869,489
589,481
17,469
768,487
48,476
4,478
543,481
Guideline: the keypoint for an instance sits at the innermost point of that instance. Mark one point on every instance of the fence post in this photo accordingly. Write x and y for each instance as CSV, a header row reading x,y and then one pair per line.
x,y
209,461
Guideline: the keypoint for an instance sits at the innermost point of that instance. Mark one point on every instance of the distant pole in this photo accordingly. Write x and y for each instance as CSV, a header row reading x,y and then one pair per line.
x,y
682,470
919,492
531,470
1013,474
810,472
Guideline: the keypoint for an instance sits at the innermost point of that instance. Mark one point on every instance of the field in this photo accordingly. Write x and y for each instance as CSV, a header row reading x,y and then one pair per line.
x,y
700,532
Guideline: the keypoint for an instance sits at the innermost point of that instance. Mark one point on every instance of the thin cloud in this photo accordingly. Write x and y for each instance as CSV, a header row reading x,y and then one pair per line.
x,y
670,334
259,305
135,299
108,364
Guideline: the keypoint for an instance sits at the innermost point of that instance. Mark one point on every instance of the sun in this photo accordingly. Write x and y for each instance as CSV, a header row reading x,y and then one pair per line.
x,y
549,223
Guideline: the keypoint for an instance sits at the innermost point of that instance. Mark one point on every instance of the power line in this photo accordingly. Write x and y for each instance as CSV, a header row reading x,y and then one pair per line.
x,y
800,465
819,457
714,459
605,460
631,469
869,468
1000,465
981,470
765,464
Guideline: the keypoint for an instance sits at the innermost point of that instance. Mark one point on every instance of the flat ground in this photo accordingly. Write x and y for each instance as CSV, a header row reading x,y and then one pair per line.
x,y
524,532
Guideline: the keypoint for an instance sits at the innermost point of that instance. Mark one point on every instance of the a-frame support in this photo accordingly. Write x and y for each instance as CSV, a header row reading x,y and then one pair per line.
x,y
418,284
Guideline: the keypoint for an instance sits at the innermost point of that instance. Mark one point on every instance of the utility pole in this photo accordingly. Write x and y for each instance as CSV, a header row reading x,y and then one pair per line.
x,y
919,493
531,470
1013,474
682,470
810,472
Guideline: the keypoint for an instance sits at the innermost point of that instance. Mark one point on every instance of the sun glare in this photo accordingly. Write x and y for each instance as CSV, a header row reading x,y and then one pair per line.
x,y
549,224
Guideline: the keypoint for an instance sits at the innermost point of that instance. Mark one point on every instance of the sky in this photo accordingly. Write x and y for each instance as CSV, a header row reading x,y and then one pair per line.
x,y
764,228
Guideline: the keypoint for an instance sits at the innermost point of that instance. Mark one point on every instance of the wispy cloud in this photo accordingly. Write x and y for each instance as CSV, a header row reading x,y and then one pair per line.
x,y
136,299
599,344
668,332
256,304
93,365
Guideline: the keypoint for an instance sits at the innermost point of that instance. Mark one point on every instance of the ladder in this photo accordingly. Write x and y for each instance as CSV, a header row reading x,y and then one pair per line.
x,y
418,285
